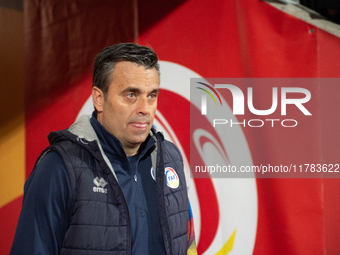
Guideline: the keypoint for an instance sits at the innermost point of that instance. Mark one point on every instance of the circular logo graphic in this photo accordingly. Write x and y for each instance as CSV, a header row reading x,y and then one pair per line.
x,y
172,179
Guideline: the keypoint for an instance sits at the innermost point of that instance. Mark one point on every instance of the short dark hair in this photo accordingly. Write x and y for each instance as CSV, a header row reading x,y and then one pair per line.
x,y
110,56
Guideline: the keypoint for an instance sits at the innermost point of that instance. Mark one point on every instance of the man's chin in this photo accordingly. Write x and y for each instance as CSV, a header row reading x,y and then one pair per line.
x,y
138,138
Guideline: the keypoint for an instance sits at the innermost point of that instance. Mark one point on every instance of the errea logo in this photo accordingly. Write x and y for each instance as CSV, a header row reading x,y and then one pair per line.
x,y
100,183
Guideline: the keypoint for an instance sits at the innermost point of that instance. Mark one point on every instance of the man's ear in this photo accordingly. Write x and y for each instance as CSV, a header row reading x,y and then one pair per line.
x,y
98,98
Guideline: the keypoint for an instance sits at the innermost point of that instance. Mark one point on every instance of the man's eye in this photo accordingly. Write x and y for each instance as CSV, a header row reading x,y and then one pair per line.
x,y
153,96
131,95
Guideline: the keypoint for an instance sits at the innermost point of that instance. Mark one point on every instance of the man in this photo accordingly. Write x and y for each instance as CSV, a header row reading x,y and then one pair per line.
x,y
110,184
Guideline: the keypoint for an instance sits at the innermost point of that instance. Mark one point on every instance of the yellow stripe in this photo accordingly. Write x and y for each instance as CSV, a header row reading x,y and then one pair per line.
x,y
12,160
228,246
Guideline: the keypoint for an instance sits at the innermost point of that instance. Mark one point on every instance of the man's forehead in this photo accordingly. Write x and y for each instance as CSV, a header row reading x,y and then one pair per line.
x,y
129,74
128,65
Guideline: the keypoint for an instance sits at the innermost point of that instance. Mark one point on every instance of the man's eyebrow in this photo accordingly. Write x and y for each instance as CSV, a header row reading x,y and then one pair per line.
x,y
133,89
155,91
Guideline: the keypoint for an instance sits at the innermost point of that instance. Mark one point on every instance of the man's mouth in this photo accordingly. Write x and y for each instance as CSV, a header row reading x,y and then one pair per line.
x,y
140,125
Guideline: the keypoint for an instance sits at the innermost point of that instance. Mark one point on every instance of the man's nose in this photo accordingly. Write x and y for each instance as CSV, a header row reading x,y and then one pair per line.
x,y
143,106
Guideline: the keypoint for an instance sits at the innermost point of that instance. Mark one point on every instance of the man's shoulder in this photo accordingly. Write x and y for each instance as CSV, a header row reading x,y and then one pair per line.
x,y
49,172
171,151
52,158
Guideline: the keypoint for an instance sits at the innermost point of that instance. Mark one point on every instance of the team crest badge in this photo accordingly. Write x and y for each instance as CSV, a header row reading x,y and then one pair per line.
x,y
172,179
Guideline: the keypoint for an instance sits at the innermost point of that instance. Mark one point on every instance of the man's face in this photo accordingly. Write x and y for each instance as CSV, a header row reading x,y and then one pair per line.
x,y
129,109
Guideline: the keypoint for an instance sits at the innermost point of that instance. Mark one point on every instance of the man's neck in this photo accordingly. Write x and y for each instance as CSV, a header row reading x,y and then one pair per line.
x,y
130,151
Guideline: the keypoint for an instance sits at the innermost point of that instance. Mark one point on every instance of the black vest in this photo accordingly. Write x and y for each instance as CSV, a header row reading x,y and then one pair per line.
x,y
100,221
